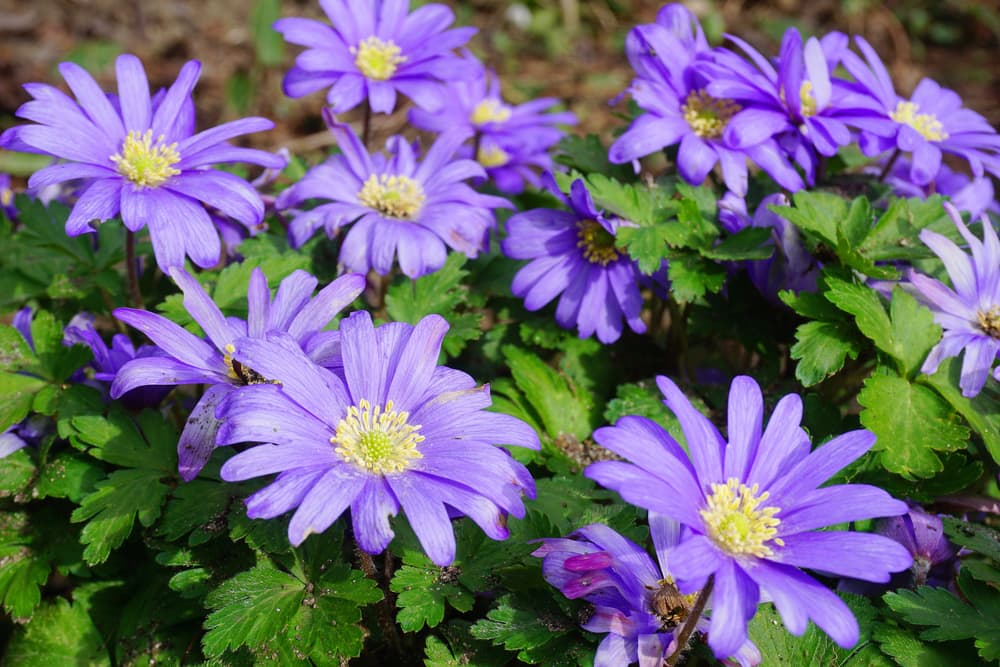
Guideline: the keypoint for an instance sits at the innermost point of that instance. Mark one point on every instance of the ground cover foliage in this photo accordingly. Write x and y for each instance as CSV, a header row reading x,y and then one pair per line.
x,y
584,279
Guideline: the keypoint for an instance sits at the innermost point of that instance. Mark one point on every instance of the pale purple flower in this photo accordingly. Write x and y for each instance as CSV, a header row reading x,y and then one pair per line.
x,y
188,359
373,50
390,431
401,208
752,505
969,311
140,158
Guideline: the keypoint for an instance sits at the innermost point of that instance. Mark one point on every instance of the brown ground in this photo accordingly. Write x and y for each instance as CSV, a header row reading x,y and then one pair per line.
x,y
576,55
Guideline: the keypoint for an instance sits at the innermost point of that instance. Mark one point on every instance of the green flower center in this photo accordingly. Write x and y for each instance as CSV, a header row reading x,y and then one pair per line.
x,y
708,115
393,196
597,244
490,111
989,321
380,441
377,59
927,125
737,523
492,156
146,164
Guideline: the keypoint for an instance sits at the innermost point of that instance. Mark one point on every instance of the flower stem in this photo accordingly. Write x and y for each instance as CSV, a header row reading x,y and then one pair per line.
x,y
690,622
135,296
366,126
384,610
888,166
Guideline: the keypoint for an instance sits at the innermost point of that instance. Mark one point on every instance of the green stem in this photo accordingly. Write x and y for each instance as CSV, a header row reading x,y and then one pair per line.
x,y
888,166
690,622
135,295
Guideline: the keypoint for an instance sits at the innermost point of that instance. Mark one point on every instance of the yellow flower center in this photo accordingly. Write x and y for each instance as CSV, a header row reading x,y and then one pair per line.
x,y
927,125
6,197
736,522
393,196
670,605
490,111
146,164
240,373
708,115
989,321
807,100
380,441
492,156
376,59
598,245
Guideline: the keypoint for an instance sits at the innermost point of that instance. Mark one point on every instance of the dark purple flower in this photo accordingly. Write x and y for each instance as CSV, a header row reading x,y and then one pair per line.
x,y
374,50
392,430
574,254
932,121
753,504
140,158
969,313
636,601
923,536
187,359
399,207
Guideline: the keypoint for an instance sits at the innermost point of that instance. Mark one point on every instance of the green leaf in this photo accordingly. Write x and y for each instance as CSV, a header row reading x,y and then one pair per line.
x,y
199,507
55,360
14,351
17,471
537,633
911,423
588,155
865,305
68,475
643,399
749,243
422,593
555,401
816,213
269,43
896,234
975,536
691,277
980,412
914,331
821,349
908,651
460,649
151,443
21,575
59,635
16,395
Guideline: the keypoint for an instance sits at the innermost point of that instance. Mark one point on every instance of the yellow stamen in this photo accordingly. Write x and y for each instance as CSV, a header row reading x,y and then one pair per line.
x,y
492,156
736,522
807,100
490,111
989,321
598,245
380,441
708,115
377,59
393,196
146,164
927,125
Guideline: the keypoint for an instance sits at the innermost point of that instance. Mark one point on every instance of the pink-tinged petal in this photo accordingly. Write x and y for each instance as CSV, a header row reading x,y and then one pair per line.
x,y
704,443
806,475
203,309
258,304
746,416
625,551
93,100
370,513
326,501
427,516
172,105
733,594
283,494
324,306
174,340
133,92
160,371
643,489
859,555
197,440
99,202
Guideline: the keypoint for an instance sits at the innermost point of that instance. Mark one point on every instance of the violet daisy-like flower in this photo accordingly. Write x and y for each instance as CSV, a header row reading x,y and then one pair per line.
x,y
374,50
391,431
400,207
974,196
141,158
574,254
752,505
636,601
188,359
933,121
969,313
512,142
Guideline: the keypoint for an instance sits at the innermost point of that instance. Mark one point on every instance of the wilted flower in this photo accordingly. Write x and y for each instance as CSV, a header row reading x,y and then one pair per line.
x,y
574,254
373,50
752,505
187,359
969,313
141,158
392,430
399,206
636,602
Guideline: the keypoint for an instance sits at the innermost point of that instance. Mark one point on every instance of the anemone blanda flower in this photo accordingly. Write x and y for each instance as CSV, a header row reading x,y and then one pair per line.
x,y
512,141
187,359
636,601
141,159
932,121
974,196
374,50
573,254
969,313
752,504
399,207
392,430
679,110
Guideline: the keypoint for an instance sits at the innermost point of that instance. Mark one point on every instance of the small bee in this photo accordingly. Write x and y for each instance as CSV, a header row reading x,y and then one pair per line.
x,y
670,605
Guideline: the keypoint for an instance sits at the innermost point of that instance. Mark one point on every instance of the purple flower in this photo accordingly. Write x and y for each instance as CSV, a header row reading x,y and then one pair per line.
x,y
752,505
974,196
399,206
391,431
636,601
7,198
932,121
574,254
373,50
141,159
923,536
969,313
512,141
187,359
